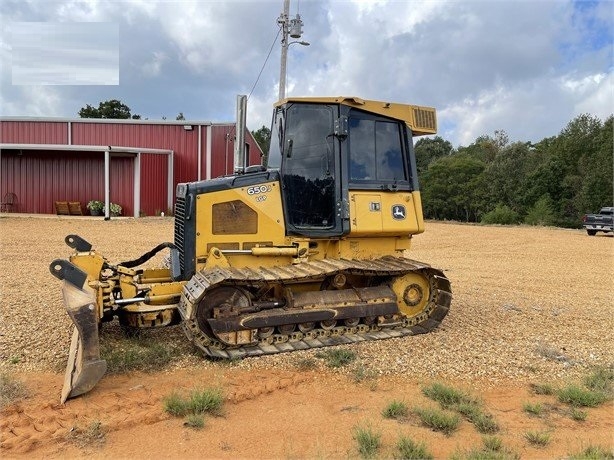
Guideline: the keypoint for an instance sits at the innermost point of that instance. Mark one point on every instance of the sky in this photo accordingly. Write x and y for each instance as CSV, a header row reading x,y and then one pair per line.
x,y
525,67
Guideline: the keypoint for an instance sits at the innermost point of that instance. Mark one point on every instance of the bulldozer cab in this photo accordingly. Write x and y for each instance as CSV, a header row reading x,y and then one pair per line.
x,y
324,149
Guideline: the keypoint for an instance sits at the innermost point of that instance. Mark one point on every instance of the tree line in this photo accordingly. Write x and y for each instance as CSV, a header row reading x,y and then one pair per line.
x,y
553,182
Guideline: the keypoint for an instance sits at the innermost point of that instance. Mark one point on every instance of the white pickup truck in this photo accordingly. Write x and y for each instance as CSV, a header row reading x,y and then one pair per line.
x,y
602,222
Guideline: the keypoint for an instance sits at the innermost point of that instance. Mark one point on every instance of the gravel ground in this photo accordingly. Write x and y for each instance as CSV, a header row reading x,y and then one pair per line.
x,y
528,303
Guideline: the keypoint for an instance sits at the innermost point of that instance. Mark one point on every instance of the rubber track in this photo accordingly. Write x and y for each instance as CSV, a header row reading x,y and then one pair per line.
x,y
201,282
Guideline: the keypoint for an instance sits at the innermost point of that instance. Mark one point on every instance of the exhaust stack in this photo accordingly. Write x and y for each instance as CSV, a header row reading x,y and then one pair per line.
x,y
240,162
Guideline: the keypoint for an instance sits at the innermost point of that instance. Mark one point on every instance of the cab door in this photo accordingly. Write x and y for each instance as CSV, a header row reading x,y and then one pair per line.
x,y
310,170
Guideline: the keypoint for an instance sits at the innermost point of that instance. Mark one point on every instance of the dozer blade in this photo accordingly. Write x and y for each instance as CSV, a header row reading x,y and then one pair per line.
x,y
84,368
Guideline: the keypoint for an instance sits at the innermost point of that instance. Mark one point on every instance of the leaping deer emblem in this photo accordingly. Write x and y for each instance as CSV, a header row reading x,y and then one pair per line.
x,y
398,212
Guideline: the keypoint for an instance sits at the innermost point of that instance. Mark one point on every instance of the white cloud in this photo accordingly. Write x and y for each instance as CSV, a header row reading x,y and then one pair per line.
x,y
76,53
153,67
33,101
525,67
592,94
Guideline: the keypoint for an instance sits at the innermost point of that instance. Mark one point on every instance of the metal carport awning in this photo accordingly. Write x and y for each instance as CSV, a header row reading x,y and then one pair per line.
x,y
107,150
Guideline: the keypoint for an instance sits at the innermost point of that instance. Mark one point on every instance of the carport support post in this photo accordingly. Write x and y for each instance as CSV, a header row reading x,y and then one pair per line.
x,y
107,185
169,181
137,185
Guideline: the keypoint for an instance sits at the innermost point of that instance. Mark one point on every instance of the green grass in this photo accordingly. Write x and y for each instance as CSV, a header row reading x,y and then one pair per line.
x,y
438,420
11,389
91,436
538,438
206,401
306,364
446,396
407,449
176,405
463,403
138,353
593,453
492,449
368,441
533,409
395,410
196,421
598,388
577,396
578,415
337,358
209,401
485,423
492,443
601,380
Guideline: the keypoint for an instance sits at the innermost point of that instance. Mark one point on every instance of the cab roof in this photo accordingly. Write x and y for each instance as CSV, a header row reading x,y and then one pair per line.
x,y
422,120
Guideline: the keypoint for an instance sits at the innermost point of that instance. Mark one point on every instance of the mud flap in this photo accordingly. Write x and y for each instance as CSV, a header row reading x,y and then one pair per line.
x,y
84,367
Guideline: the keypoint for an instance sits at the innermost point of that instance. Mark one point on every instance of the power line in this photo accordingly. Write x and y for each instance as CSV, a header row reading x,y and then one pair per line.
x,y
263,65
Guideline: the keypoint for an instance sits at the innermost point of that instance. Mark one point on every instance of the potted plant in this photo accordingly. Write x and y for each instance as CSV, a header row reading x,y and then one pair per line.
x,y
95,207
115,209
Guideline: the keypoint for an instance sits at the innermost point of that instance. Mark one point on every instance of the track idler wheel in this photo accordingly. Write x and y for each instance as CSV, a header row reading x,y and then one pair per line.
x,y
413,292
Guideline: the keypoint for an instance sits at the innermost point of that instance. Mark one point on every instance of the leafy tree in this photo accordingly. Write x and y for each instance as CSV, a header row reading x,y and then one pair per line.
x,y
542,212
452,188
485,148
505,175
552,182
263,138
597,170
428,150
180,116
502,214
108,109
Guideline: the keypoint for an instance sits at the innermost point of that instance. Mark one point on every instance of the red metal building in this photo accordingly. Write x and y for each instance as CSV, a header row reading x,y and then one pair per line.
x,y
137,163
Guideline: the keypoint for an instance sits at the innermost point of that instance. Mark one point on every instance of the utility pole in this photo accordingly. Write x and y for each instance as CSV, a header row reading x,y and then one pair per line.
x,y
294,29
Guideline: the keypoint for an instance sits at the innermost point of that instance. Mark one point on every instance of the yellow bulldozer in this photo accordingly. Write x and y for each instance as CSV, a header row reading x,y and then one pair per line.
x,y
306,250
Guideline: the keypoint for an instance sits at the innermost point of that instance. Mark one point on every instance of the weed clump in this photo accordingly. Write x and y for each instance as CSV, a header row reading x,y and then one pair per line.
x,y
578,415
601,380
368,441
306,364
593,453
492,449
11,389
446,396
533,409
200,402
137,353
337,358
91,436
577,396
438,420
196,421
395,410
538,438
466,405
407,449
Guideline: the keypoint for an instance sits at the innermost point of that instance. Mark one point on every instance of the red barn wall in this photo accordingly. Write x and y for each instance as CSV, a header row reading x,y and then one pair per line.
x,y
49,176
41,177
33,132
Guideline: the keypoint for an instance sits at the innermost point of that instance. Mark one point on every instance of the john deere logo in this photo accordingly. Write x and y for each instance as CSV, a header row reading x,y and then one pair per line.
x,y
398,212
